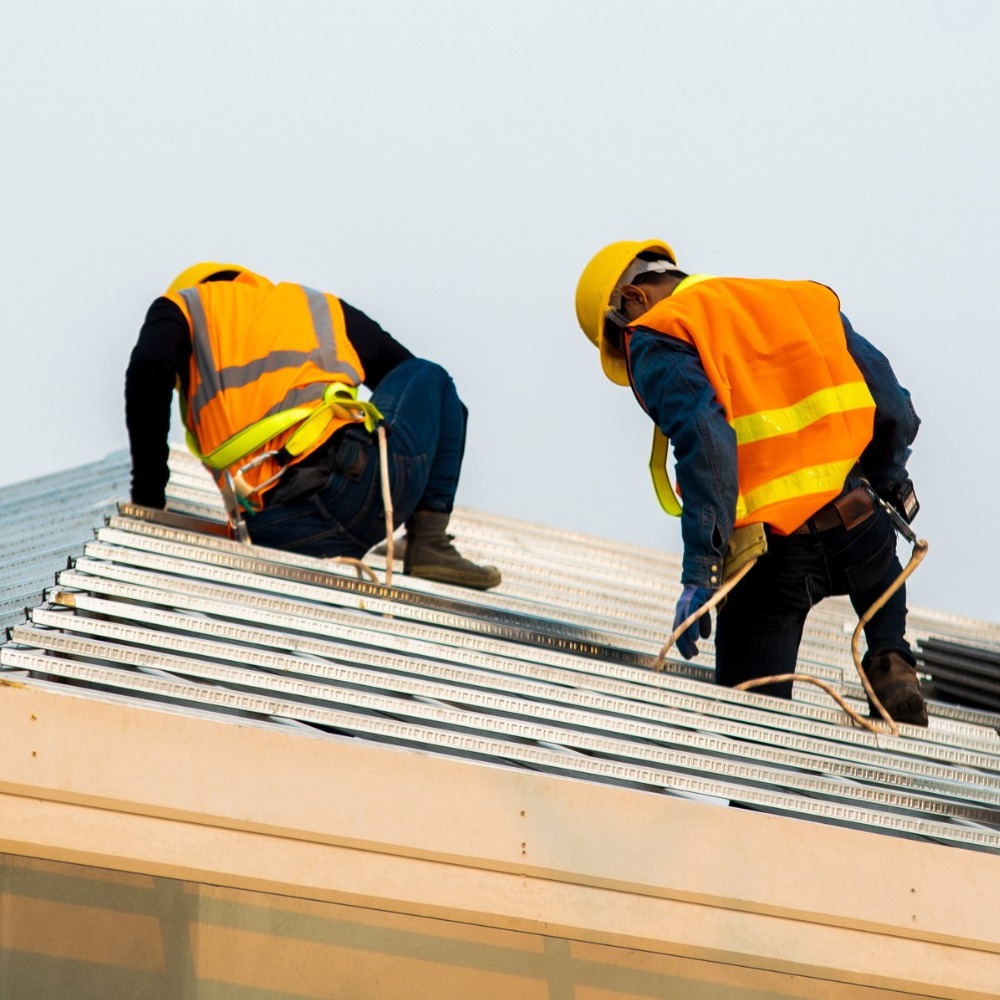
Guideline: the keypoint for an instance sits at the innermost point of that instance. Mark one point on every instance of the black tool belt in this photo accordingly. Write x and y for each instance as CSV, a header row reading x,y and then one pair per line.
x,y
847,511
304,478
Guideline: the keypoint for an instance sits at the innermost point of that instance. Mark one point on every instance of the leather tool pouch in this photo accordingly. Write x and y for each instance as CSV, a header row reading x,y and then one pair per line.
x,y
746,543
352,455
855,507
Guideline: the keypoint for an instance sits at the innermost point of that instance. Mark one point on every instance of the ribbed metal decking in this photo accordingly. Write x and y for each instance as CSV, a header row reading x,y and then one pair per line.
x,y
550,672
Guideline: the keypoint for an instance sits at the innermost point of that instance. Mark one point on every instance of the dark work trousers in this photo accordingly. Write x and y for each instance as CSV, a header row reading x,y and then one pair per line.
x,y
426,443
759,628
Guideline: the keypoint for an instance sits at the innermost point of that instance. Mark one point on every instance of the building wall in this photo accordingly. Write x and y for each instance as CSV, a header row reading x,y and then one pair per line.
x,y
394,873
88,933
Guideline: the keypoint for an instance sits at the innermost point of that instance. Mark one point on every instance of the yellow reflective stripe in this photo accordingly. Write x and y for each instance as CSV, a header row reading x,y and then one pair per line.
x,y
816,479
661,478
789,419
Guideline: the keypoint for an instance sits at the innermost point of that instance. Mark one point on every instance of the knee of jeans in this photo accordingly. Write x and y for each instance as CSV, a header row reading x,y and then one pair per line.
x,y
443,377
430,368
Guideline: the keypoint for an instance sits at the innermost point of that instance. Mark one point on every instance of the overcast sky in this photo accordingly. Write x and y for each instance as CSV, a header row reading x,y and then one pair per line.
x,y
449,167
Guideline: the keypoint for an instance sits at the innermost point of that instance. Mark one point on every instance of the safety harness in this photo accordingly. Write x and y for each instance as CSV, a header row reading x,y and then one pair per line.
x,y
312,407
339,401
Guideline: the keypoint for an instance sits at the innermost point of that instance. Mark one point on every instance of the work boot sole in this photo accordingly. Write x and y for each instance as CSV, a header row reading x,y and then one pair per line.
x,y
486,578
903,702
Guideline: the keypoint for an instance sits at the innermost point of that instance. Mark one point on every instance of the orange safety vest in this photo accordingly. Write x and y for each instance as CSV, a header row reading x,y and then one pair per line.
x,y
259,350
776,354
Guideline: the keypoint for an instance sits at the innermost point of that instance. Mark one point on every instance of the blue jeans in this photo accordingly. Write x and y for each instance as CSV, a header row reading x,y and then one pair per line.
x,y
425,422
759,628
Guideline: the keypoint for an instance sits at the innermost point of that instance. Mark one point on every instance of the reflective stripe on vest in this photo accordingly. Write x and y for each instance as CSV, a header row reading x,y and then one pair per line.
x,y
273,376
324,356
771,423
776,354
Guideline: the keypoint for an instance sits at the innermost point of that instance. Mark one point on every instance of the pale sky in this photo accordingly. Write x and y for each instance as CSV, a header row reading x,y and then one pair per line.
x,y
449,167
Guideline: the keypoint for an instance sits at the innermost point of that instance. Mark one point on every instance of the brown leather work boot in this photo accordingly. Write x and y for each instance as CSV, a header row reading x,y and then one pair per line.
x,y
894,680
429,554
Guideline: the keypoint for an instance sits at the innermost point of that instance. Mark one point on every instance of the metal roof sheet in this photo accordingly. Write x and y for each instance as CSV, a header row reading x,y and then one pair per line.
x,y
551,671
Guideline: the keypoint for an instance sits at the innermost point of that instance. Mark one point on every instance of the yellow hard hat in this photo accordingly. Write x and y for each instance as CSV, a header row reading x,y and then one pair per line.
x,y
197,273
595,288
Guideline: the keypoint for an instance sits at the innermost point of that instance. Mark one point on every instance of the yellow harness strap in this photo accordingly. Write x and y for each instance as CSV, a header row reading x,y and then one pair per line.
x,y
745,544
661,478
339,400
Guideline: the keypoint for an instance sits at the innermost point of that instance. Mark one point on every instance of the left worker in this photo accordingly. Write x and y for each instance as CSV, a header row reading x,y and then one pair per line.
x,y
268,376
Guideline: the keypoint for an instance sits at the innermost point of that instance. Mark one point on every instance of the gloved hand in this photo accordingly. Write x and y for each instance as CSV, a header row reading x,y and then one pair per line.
x,y
691,599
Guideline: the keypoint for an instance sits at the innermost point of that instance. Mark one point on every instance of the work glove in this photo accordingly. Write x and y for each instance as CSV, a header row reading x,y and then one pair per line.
x,y
692,598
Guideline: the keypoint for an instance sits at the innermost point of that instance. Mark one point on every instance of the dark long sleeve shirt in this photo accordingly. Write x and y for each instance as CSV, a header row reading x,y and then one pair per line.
x,y
160,362
668,376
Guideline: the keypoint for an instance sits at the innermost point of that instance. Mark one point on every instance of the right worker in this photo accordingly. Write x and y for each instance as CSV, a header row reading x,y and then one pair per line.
x,y
779,414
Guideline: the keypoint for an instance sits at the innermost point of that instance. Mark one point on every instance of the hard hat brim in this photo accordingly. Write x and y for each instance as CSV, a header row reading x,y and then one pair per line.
x,y
197,273
613,361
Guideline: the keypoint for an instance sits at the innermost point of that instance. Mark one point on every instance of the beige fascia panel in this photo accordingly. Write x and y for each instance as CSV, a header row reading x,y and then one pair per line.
x,y
120,786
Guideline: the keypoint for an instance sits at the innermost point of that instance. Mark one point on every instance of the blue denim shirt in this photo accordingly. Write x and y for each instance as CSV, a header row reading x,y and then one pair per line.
x,y
668,378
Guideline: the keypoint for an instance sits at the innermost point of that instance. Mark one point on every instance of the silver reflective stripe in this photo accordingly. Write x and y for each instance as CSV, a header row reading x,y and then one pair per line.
x,y
319,309
237,376
210,380
324,356
322,322
297,397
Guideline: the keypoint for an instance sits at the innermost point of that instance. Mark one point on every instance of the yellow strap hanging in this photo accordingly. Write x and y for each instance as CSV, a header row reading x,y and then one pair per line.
x,y
745,544
661,478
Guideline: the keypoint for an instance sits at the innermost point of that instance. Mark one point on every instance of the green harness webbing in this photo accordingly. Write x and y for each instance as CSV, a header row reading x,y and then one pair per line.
x,y
339,400
745,544
661,478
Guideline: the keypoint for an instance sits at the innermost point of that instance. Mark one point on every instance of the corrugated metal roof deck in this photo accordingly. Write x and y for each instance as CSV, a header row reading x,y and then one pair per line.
x,y
45,521
550,672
